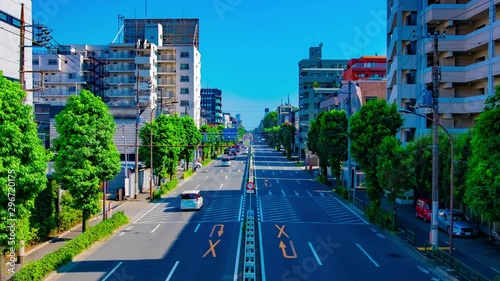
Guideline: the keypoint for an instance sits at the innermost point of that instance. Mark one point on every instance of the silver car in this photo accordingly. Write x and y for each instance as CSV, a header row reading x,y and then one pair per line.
x,y
462,226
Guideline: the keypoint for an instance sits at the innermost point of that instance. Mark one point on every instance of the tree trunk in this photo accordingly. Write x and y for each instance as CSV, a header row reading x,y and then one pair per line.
x,y
85,220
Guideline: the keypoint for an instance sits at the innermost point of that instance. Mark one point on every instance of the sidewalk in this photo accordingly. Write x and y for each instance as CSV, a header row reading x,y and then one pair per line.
x,y
131,208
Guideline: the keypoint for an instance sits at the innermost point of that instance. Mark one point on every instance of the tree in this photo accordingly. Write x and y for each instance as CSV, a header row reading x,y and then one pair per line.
x,y
191,138
288,138
333,139
375,120
483,180
85,152
463,153
314,142
394,169
23,162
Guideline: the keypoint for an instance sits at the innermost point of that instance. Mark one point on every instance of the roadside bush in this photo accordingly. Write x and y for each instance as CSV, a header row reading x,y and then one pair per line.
x,y
43,216
187,173
37,270
68,217
165,188
342,192
322,179
379,217
206,161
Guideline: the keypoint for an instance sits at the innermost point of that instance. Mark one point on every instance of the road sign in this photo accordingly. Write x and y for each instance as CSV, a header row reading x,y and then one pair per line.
x,y
250,187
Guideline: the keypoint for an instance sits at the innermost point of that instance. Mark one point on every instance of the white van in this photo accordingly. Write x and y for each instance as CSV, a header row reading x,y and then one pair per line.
x,y
191,200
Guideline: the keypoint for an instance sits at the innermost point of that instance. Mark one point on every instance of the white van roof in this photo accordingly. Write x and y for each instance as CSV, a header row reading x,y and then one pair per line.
x,y
191,192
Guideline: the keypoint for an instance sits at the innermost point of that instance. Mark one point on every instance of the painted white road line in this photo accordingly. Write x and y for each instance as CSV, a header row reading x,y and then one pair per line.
x,y
277,181
291,174
111,272
281,171
309,193
495,269
367,255
262,267
197,187
351,211
286,168
241,206
172,271
298,181
155,228
273,173
198,226
296,193
207,177
269,167
121,234
158,204
226,175
283,192
315,254
221,185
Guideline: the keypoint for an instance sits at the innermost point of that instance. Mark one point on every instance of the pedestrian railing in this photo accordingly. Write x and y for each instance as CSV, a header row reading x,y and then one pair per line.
x,y
449,261
410,237
360,204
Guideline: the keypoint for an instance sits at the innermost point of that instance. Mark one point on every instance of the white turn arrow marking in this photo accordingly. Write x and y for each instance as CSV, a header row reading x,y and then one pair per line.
x,y
423,269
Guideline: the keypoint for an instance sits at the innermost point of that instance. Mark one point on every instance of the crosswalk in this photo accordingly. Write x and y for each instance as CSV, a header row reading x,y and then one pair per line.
x,y
222,209
160,213
273,208
337,211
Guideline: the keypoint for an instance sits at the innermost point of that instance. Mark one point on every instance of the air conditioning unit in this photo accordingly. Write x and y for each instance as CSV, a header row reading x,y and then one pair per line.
x,y
447,116
448,55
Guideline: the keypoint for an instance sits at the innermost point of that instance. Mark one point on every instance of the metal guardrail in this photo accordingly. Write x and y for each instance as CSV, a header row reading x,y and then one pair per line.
x,y
449,261
360,204
249,262
410,237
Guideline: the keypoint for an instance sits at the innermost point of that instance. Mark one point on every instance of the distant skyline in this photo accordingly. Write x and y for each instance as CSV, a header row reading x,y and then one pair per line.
x,y
249,49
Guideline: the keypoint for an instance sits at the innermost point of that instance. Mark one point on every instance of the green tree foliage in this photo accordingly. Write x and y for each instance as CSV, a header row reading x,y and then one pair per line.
x,y
421,152
288,138
394,169
463,152
313,142
43,218
483,179
167,142
85,152
191,138
241,132
272,136
23,162
333,139
270,120
375,120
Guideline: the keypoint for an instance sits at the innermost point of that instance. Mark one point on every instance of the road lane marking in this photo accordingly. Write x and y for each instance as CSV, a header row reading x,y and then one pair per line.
x,y
298,181
277,181
197,187
112,271
495,269
207,177
315,254
226,175
241,207
291,174
283,250
221,185
237,259
273,173
309,193
172,271
269,166
296,193
198,226
220,232
283,192
121,234
262,267
282,231
158,204
211,248
155,228
351,211
367,255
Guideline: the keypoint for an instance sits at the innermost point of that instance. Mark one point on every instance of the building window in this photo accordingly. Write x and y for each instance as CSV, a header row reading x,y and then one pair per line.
x,y
35,62
184,91
9,19
71,75
72,89
184,78
184,54
52,62
184,66
184,103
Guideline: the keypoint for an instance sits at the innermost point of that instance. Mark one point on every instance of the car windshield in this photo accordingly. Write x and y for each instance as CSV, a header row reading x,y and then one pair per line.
x,y
189,196
459,217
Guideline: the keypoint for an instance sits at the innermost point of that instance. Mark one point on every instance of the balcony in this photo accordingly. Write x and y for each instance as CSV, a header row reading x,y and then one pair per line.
x,y
57,93
121,55
166,58
120,68
120,80
145,61
144,73
166,70
166,82
121,93
62,79
443,12
461,74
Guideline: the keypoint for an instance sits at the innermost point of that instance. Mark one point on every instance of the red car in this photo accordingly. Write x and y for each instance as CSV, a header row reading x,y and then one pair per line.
x,y
423,209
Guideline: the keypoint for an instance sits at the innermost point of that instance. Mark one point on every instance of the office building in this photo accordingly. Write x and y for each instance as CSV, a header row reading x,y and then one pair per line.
x,y
467,56
365,68
211,107
10,52
318,78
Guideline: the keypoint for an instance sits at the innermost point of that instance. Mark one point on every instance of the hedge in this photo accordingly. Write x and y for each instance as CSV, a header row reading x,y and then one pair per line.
x,y
37,270
164,189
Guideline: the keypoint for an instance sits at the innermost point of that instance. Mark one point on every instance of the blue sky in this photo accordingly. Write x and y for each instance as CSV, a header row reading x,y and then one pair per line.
x,y
250,49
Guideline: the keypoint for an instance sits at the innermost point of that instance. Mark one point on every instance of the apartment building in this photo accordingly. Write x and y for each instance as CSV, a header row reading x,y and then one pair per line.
x,y
318,78
365,67
211,107
10,29
468,59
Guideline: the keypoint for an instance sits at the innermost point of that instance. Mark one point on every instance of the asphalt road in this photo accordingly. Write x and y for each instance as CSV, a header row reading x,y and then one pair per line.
x,y
308,233
475,252
167,244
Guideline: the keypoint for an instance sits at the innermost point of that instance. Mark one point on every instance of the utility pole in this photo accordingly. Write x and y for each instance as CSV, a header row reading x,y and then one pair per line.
x,y
436,78
349,160
138,113
21,48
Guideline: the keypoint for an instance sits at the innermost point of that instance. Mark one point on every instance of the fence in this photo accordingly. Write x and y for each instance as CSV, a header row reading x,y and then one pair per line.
x,y
449,261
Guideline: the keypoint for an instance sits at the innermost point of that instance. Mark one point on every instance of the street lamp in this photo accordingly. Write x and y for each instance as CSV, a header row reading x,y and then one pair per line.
x,y
434,210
